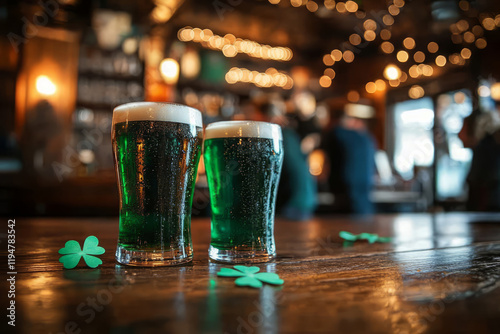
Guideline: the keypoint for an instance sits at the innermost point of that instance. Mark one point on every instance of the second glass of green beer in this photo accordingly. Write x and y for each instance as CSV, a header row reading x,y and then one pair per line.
x,y
243,163
157,147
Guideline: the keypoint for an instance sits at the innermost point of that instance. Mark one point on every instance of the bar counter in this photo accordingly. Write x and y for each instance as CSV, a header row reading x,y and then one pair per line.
x,y
440,274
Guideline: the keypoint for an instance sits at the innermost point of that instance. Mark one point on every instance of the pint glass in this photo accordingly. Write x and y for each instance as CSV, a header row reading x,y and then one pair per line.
x,y
243,163
157,148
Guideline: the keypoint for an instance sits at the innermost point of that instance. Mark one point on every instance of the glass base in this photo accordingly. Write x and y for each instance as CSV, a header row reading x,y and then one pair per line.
x,y
239,256
153,258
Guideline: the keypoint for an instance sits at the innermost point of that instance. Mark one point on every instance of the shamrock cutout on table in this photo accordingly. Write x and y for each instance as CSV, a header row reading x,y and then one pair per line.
x,y
72,253
371,237
249,276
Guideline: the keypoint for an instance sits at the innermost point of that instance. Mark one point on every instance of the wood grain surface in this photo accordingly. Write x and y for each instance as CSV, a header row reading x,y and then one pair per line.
x,y
441,274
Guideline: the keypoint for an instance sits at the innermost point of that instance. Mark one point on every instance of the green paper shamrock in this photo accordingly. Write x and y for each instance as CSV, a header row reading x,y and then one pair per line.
x,y
72,253
371,237
249,276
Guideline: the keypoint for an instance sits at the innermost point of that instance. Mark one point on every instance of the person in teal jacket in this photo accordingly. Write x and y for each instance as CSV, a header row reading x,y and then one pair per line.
x,y
351,153
297,190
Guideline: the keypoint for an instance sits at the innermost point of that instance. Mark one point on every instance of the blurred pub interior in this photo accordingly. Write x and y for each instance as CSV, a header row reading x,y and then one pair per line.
x,y
423,75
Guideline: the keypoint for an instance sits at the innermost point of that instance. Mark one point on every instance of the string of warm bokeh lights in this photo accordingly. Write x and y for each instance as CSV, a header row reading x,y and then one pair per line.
x,y
270,78
462,33
395,76
349,6
472,35
231,45
368,35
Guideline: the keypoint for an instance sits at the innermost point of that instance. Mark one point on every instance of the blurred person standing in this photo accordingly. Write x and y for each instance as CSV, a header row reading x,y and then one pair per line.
x,y
297,190
350,149
42,142
484,174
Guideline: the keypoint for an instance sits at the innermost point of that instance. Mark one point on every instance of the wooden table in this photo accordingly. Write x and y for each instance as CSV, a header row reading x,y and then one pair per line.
x,y
441,274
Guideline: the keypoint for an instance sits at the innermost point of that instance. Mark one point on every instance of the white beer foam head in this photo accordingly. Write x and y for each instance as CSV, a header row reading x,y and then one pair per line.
x,y
157,111
231,129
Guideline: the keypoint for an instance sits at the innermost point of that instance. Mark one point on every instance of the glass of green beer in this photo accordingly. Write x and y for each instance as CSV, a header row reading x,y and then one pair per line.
x,y
243,163
157,147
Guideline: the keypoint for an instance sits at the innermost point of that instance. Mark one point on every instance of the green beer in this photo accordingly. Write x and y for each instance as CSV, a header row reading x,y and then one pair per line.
x,y
157,148
243,163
